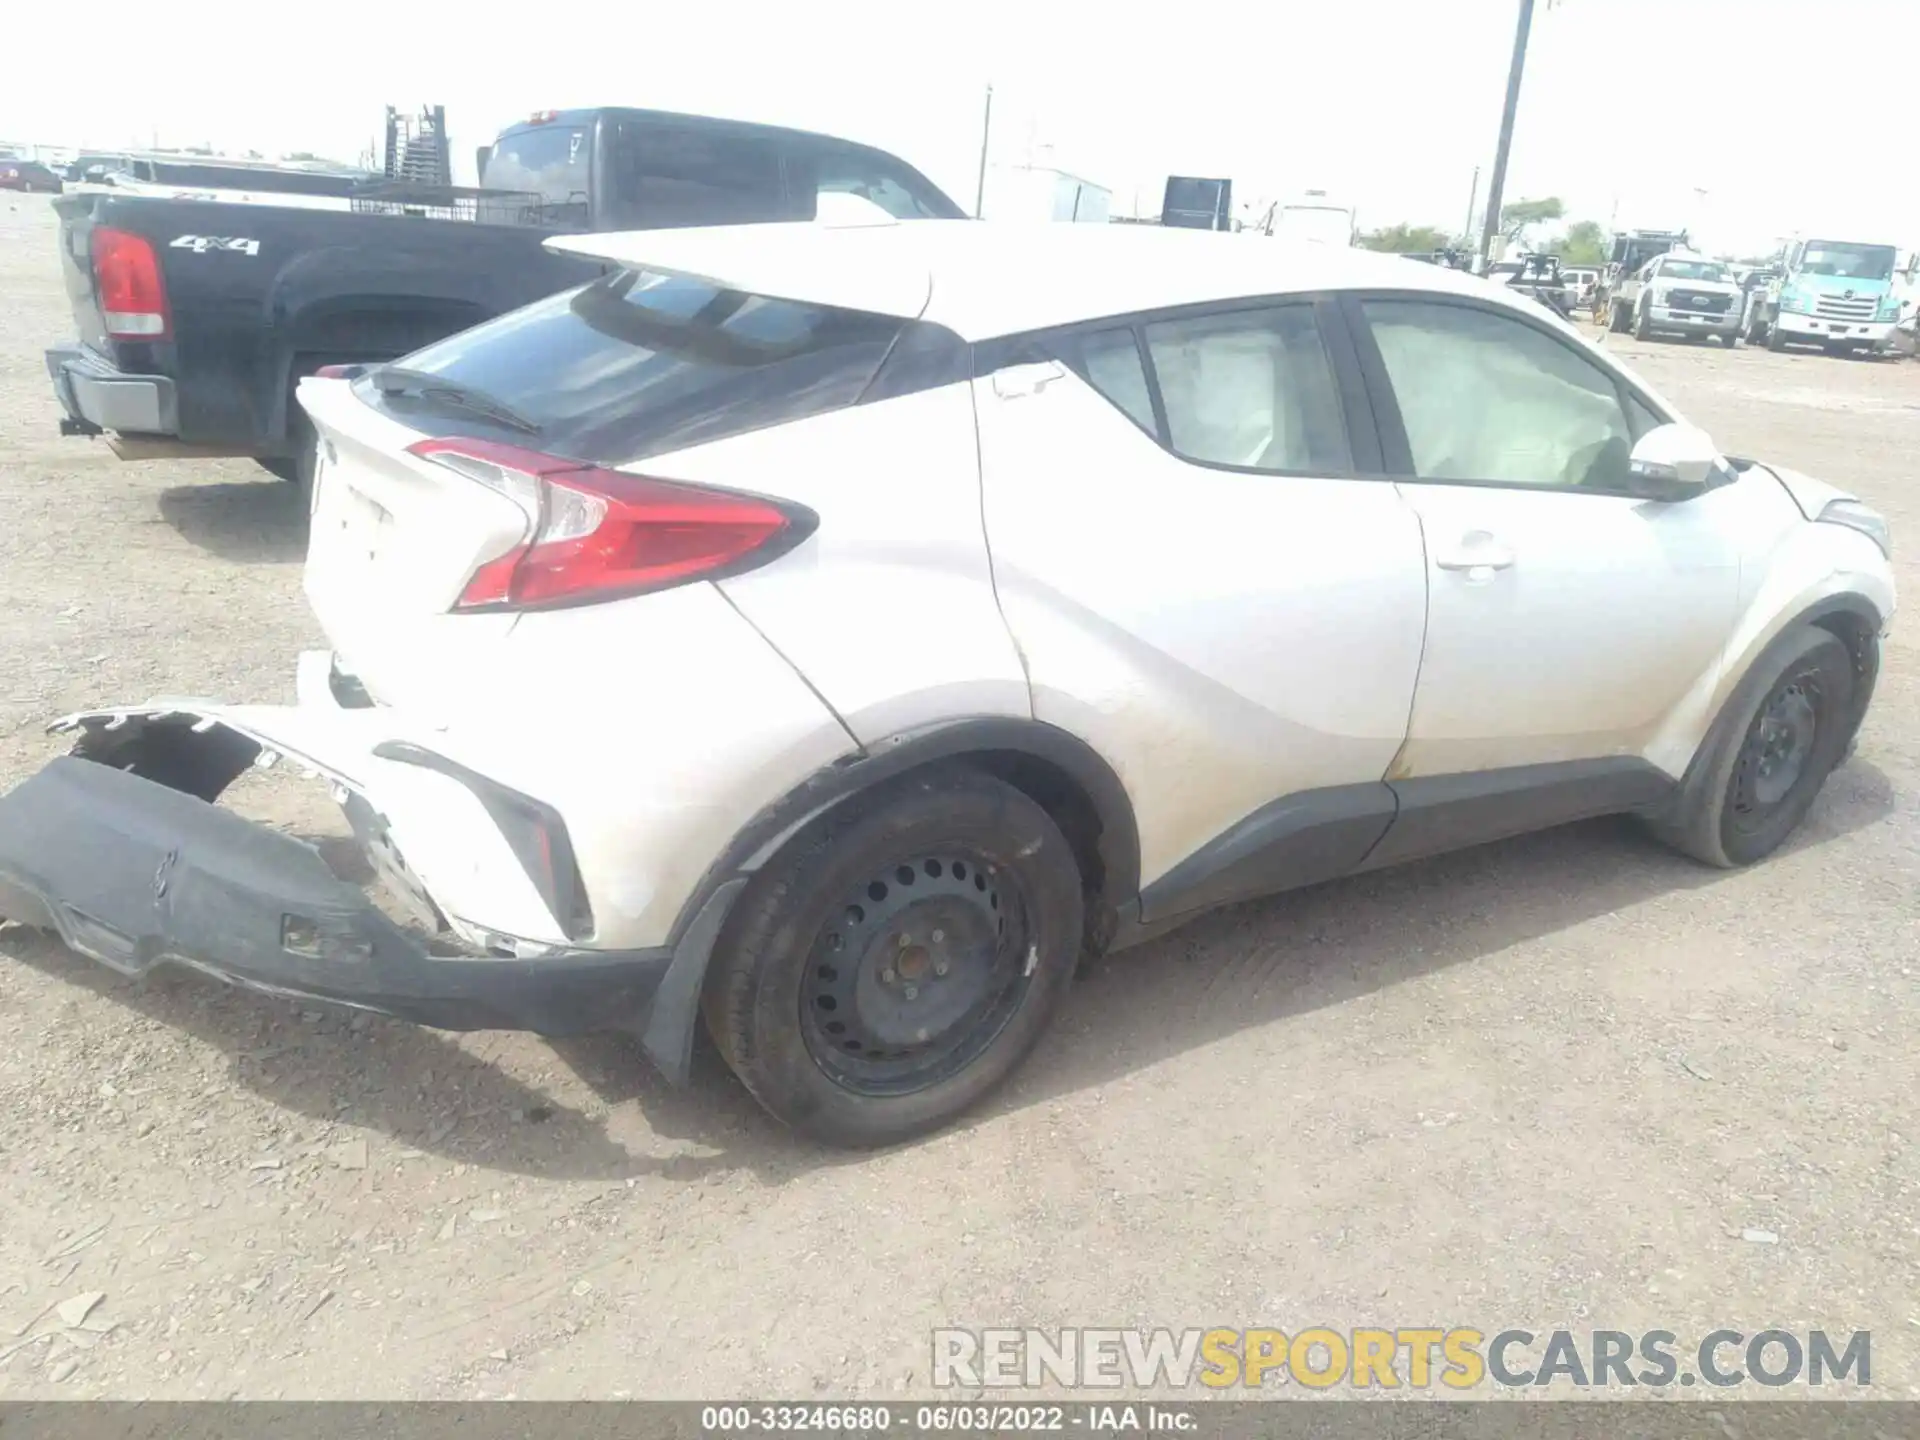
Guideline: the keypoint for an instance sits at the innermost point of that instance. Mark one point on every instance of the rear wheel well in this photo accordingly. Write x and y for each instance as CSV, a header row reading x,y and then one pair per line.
x,y
1103,845
1067,804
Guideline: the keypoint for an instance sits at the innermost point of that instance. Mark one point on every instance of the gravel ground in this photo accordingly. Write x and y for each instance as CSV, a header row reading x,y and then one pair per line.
x,y
1546,1083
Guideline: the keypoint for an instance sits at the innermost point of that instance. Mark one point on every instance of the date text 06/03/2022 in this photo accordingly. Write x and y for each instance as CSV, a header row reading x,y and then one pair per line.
x,y
948,1417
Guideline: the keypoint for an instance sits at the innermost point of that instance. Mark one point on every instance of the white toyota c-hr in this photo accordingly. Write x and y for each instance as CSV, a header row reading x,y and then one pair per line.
x,y
839,632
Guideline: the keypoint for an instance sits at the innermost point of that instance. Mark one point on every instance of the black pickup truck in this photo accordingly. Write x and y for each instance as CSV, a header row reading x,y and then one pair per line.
x,y
197,316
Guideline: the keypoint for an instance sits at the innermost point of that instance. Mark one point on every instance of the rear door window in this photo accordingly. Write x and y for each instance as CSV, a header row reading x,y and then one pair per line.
x,y
665,177
641,363
1251,389
554,162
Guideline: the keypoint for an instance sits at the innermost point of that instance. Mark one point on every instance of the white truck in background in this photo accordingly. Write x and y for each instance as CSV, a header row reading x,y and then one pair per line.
x,y
1039,192
1315,218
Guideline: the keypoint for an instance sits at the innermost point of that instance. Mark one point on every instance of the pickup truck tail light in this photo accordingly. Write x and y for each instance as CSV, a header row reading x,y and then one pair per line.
x,y
126,277
595,534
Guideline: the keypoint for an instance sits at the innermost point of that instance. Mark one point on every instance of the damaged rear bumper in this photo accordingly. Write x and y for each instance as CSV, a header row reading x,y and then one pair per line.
x,y
135,874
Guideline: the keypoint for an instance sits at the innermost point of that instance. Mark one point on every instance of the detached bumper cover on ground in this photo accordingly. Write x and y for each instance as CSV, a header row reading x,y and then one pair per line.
x,y
134,874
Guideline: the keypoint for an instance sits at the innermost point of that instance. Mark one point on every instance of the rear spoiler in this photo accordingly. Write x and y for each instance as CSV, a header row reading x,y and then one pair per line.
x,y
868,267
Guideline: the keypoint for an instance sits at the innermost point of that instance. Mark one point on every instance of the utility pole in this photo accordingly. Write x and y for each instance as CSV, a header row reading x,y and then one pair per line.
x,y
986,136
1498,184
1473,198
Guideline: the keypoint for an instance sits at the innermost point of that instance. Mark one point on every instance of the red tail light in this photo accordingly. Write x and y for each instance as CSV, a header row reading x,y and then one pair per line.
x,y
339,372
595,534
126,275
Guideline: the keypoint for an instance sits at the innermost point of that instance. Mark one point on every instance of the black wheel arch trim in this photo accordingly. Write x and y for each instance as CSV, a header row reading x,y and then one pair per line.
x,y
1866,652
1866,657
668,1037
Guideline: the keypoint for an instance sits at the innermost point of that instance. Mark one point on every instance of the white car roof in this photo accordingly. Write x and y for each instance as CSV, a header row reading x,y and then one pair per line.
x,y
983,279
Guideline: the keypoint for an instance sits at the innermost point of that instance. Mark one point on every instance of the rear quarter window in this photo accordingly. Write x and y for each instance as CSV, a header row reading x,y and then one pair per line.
x,y
642,363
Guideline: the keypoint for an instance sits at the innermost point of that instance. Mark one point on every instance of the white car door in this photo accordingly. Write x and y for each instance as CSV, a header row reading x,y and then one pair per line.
x,y
1203,588
1568,617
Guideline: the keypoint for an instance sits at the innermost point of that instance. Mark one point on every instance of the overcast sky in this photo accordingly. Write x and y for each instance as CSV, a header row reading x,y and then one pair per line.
x,y
1788,114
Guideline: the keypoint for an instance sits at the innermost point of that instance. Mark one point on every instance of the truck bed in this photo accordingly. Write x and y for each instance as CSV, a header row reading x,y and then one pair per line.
x,y
259,294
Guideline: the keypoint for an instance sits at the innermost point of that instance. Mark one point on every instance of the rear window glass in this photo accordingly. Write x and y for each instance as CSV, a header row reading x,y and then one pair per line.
x,y
642,363
662,177
552,161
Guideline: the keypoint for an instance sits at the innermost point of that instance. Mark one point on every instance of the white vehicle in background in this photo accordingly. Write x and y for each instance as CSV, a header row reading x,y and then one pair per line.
x,y
838,632
1682,293
1039,192
1314,218
1581,280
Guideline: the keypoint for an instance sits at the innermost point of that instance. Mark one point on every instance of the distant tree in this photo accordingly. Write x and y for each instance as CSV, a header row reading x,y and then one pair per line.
x,y
1585,243
1406,239
1520,214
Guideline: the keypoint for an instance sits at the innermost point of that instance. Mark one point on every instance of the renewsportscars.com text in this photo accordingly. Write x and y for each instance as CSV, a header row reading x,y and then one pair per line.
x,y
1460,1358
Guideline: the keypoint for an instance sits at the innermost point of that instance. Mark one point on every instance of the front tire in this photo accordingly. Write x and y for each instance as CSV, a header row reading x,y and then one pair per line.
x,y
1617,318
1643,323
1776,340
1785,729
892,967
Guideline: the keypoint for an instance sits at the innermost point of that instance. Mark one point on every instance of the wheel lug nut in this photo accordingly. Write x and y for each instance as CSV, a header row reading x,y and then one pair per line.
x,y
886,977
938,936
913,992
901,940
939,967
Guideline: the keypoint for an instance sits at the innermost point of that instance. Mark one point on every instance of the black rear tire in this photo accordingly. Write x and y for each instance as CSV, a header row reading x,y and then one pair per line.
x,y
1642,323
1617,318
893,965
1785,728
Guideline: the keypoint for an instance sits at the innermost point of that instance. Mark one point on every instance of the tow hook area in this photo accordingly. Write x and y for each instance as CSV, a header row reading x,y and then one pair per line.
x,y
73,425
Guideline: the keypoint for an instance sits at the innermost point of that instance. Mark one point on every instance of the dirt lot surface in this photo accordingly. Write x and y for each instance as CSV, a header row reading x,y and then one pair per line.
x,y
1547,1083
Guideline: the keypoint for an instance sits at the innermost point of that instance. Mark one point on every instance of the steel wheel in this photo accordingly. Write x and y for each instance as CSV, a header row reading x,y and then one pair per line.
x,y
1784,730
895,961
916,976
1778,746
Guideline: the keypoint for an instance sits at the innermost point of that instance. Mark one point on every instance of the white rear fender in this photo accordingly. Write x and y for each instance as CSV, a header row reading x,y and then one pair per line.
x,y
652,767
